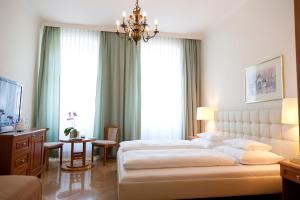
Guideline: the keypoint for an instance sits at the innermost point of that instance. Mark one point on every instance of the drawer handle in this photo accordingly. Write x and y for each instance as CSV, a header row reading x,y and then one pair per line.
x,y
298,177
33,136
24,143
22,161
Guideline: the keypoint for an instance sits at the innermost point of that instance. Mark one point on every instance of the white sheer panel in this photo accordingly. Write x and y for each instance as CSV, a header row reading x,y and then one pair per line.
x,y
162,89
79,63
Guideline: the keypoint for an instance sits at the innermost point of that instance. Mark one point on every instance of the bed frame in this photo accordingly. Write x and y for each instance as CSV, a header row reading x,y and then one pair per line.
x,y
260,125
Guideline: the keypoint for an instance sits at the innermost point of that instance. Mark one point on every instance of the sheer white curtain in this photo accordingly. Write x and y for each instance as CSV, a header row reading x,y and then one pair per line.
x,y
162,89
79,63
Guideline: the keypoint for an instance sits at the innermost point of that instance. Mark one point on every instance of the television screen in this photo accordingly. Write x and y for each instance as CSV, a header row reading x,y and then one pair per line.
x,y
10,102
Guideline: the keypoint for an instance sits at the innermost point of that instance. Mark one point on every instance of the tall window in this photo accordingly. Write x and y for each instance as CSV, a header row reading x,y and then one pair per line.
x,y
162,89
79,64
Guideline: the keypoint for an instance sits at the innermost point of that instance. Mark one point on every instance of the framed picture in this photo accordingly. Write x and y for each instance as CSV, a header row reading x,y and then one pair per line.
x,y
264,82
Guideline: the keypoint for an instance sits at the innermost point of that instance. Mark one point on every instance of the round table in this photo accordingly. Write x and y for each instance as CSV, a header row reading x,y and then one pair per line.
x,y
77,156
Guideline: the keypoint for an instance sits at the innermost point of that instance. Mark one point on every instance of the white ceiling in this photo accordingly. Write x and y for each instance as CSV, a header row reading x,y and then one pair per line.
x,y
190,17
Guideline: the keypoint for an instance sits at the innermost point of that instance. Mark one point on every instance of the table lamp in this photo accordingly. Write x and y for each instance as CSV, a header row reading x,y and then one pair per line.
x,y
289,115
205,113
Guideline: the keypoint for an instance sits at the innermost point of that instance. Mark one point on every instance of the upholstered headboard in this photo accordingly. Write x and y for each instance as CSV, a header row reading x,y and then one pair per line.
x,y
260,125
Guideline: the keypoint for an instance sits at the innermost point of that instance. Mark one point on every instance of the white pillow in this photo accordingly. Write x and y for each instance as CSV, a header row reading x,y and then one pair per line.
x,y
211,136
249,145
205,143
251,157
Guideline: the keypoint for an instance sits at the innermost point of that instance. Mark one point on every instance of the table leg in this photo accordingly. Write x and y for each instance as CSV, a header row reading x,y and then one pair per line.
x,y
46,157
93,153
72,153
60,156
83,153
104,156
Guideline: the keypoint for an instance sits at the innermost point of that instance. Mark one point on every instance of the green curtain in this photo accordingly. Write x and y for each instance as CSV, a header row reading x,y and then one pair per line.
x,y
191,66
118,99
47,91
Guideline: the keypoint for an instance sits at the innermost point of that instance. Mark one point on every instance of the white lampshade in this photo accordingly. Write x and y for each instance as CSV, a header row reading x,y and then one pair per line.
x,y
289,113
205,113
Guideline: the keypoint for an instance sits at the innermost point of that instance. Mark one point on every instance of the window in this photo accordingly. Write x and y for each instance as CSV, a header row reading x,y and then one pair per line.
x,y
79,65
162,89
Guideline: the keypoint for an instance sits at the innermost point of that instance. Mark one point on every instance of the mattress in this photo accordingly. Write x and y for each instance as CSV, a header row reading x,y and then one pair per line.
x,y
198,182
194,173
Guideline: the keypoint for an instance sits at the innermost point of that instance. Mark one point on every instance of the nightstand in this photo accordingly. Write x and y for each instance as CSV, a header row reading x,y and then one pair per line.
x,y
290,173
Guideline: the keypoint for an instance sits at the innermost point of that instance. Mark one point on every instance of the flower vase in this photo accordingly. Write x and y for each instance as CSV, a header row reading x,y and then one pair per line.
x,y
74,135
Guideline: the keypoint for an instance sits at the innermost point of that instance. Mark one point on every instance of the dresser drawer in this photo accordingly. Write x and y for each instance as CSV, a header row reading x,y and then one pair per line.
x,y
22,160
290,174
22,144
22,170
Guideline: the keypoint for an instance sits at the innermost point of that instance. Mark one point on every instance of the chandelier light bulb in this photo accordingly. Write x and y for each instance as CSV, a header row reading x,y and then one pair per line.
x,y
145,14
156,23
124,14
118,25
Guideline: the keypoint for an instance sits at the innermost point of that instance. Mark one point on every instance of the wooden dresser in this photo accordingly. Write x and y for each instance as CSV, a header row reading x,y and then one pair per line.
x,y
21,153
290,173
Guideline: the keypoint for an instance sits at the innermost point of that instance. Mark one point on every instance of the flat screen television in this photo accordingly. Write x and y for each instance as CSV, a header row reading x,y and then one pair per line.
x,y
10,104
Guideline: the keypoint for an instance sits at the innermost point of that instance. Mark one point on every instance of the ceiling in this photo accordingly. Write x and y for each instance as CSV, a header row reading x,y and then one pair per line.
x,y
190,17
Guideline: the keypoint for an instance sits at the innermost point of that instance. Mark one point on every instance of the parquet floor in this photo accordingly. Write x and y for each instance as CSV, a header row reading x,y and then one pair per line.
x,y
99,183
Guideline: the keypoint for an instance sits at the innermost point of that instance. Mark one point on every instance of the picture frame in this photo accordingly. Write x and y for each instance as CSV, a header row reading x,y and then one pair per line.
x,y
264,81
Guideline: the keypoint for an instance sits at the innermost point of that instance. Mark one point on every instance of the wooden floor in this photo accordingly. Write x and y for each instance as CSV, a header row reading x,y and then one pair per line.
x,y
99,183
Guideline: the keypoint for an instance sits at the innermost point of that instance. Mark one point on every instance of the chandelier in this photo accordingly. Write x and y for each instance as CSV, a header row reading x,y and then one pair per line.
x,y
136,26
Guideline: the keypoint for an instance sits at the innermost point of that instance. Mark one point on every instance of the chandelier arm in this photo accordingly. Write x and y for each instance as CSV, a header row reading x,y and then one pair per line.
x,y
145,39
124,26
151,36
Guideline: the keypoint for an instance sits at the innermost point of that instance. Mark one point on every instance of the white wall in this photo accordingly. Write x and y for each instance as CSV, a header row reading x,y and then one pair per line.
x,y
19,29
260,30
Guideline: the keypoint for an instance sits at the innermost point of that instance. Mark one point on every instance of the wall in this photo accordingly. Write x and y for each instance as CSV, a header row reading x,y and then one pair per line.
x,y
18,49
260,30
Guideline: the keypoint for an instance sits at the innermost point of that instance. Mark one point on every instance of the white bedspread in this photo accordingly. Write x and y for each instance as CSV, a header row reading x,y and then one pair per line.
x,y
163,144
174,158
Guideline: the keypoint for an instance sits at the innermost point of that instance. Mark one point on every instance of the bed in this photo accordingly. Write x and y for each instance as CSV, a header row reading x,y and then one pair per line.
x,y
20,187
218,181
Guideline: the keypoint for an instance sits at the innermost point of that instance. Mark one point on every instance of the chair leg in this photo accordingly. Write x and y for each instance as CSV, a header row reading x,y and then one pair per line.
x,y
104,155
60,156
92,153
47,159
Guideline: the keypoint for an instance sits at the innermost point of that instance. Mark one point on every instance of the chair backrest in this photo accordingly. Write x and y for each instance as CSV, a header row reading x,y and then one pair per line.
x,y
111,133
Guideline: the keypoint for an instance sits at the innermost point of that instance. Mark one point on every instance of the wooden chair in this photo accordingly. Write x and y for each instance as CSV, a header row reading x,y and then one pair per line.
x,y
48,146
111,139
